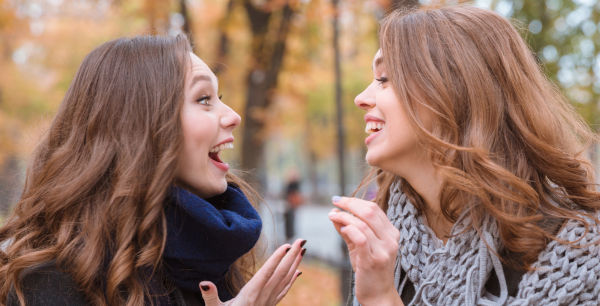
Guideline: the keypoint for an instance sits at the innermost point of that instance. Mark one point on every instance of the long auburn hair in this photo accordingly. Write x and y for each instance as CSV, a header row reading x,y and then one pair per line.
x,y
94,194
503,138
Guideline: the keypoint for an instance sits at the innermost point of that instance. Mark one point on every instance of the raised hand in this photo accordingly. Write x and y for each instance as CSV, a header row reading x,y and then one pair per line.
x,y
372,245
269,285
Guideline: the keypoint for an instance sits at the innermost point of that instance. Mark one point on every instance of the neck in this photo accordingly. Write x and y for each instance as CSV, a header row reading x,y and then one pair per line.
x,y
426,181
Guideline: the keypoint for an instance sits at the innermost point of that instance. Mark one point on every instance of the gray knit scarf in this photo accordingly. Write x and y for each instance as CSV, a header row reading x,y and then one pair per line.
x,y
456,273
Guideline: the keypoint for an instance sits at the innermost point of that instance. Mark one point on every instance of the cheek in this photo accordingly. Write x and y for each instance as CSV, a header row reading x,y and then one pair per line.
x,y
400,136
195,139
199,130
196,142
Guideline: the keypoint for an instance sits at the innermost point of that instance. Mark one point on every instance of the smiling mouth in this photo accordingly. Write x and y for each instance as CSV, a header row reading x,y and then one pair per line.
x,y
214,152
374,127
215,157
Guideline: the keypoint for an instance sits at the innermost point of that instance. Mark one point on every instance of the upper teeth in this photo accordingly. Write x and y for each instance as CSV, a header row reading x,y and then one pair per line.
x,y
371,125
221,147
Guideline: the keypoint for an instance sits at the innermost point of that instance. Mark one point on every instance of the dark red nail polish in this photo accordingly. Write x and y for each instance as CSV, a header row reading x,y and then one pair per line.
x,y
303,251
299,273
205,287
288,249
303,243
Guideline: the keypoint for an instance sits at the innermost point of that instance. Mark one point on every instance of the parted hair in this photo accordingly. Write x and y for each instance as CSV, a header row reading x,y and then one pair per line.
x,y
94,195
504,139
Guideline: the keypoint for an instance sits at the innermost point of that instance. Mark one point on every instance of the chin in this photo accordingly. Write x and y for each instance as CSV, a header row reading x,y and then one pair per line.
x,y
219,188
371,160
384,162
215,191
223,187
204,190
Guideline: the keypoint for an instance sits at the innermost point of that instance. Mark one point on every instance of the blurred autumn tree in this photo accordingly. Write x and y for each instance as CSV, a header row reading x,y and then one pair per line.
x,y
270,24
42,46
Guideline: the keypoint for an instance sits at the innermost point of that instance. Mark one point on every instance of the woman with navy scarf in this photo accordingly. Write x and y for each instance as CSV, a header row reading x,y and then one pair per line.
x,y
127,201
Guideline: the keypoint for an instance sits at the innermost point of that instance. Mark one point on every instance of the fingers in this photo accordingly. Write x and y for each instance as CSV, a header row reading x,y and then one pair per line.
x,y
288,286
288,266
371,243
345,219
272,278
337,225
210,294
370,214
292,270
367,211
357,242
266,271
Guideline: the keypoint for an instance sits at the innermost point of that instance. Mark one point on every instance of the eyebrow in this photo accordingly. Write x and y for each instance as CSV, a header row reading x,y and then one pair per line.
x,y
201,77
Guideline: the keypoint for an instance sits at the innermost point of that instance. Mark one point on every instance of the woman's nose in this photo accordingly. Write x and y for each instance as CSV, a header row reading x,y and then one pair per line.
x,y
230,118
365,100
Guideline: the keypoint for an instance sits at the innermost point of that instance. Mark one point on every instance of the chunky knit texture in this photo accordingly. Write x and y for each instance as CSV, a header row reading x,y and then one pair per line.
x,y
456,273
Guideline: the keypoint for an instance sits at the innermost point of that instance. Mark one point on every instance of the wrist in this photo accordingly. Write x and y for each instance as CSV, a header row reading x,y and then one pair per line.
x,y
389,298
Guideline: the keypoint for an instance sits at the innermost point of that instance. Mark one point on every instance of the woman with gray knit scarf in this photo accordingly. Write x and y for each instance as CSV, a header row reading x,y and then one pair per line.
x,y
481,169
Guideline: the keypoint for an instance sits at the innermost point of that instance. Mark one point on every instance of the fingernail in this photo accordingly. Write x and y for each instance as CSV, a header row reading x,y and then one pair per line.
x,y
303,251
288,249
303,243
335,199
299,273
204,287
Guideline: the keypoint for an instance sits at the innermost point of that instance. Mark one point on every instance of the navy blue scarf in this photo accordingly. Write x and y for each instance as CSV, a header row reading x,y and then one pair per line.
x,y
204,237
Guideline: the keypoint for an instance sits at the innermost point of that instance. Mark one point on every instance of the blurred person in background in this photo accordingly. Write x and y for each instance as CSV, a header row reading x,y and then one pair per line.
x,y
127,201
485,196
293,200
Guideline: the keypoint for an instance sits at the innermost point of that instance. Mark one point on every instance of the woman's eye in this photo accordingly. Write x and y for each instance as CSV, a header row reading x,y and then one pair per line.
x,y
203,100
382,80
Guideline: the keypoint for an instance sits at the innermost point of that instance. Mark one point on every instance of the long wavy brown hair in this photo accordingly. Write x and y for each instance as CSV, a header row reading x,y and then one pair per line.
x,y
95,192
503,138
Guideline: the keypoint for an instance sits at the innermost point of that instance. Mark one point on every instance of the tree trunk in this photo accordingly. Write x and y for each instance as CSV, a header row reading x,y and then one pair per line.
x,y
346,268
267,54
10,183
223,49
187,23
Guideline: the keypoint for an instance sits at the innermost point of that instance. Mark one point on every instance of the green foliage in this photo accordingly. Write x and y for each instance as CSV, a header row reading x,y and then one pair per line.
x,y
565,36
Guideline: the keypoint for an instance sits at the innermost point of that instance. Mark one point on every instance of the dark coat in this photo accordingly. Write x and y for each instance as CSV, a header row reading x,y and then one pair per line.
x,y
46,285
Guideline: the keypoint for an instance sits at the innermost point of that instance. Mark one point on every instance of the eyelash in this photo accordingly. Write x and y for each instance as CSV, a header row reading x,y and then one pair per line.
x,y
382,80
206,98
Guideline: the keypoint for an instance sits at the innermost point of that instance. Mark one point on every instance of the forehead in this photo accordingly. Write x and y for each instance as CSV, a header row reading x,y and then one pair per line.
x,y
199,68
377,59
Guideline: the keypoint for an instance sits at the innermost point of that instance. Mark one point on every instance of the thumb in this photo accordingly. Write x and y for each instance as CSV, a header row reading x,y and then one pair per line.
x,y
210,294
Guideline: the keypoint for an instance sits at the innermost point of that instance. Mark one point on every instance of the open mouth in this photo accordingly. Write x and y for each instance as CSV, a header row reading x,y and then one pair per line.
x,y
215,157
213,154
374,127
